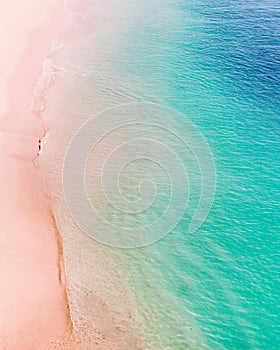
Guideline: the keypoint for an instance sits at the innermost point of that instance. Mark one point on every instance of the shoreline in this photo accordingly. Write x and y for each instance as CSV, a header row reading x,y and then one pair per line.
x,y
102,307
36,314
46,306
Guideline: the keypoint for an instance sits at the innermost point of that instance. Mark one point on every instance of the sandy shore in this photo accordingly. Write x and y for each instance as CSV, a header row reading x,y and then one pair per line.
x,y
35,313
33,305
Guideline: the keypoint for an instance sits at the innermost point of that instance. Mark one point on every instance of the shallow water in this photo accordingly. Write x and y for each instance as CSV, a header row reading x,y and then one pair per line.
x,y
218,65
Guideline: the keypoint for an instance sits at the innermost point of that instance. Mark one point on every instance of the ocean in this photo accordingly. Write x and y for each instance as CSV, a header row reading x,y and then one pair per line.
x,y
217,65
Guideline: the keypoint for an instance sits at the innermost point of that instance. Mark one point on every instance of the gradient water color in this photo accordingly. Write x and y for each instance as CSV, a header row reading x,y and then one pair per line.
x,y
218,64
221,65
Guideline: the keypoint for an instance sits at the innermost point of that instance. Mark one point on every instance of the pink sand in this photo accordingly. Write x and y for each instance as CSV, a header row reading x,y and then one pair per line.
x,y
33,305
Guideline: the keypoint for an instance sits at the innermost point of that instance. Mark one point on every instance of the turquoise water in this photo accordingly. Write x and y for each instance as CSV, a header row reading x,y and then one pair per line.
x,y
218,64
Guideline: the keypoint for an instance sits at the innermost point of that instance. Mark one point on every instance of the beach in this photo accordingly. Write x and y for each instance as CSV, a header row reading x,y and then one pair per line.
x,y
56,292
34,308
139,174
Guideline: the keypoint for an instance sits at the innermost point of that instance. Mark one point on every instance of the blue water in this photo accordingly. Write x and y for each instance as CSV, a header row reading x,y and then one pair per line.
x,y
220,66
218,63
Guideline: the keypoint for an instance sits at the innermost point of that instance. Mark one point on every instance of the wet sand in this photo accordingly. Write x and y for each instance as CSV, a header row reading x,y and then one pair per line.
x,y
36,312
33,304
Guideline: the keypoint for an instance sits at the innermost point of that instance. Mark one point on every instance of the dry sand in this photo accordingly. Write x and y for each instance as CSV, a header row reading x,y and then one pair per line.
x,y
35,313
33,305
